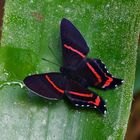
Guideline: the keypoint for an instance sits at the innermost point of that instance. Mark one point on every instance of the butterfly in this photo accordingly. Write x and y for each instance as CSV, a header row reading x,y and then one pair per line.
x,y
56,86
77,73
86,71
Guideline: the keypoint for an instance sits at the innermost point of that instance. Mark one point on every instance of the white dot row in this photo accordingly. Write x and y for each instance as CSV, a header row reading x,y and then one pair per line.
x,y
89,105
84,105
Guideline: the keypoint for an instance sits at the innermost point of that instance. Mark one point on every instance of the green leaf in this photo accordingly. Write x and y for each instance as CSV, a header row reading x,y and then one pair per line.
x,y
30,32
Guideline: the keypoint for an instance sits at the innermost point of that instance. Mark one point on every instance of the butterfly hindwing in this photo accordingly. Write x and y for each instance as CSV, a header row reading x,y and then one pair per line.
x,y
94,73
47,85
110,82
55,86
102,66
81,97
74,46
88,103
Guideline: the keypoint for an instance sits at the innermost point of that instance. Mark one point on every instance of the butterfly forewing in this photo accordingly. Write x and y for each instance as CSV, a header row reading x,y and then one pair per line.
x,y
74,46
48,85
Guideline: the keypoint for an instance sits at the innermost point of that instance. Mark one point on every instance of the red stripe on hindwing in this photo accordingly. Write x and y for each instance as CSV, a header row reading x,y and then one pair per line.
x,y
97,101
108,81
51,82
81,94
94,72
74,50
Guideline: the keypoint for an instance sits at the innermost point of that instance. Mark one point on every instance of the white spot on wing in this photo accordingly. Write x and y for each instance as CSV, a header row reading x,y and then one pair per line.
x,y
103,86
76,105
105,112
95,107
88,105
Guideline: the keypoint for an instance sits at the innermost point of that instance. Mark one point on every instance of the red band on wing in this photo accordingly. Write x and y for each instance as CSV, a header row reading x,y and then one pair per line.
x,y
94,72
74,50
51,82
108,82
97,101
81,94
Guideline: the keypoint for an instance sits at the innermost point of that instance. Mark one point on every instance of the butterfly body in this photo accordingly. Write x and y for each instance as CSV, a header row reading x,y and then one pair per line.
x,y
73,73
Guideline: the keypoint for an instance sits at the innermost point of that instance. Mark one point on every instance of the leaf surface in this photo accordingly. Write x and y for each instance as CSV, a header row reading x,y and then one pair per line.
x,y
31,31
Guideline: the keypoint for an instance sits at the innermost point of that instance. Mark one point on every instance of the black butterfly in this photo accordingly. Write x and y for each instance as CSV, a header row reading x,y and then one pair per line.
x,y
77,73
87,71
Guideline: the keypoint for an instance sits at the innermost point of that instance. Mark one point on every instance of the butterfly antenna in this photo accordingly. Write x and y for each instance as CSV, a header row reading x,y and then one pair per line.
x,y
51,62
54,54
